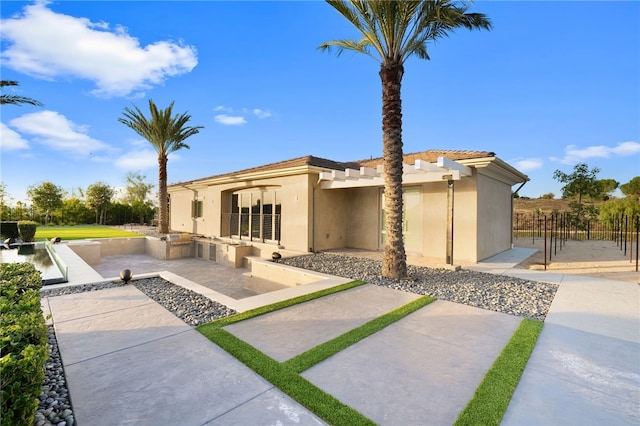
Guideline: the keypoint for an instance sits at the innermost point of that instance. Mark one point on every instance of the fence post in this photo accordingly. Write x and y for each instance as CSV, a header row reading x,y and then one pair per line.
x,y
545,243
637,239
626,229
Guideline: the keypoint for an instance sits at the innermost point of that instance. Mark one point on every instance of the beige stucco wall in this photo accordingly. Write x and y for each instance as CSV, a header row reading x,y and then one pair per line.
x,y
494,217
363,220
465,226
434,220
294,197
322,219
330,219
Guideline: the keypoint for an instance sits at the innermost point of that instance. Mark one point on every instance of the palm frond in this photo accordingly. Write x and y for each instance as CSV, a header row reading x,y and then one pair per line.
x,y
399,29
164,132
15,99
340,46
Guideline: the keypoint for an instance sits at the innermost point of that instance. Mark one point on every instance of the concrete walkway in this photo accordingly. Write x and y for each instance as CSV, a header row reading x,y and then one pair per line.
x,y
128,360
585,368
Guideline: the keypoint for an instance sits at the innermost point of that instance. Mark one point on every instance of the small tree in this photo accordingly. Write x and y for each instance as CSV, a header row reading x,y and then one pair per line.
x,y
548,196
75,211
5,210
581,183
99,197
607,186
632,188
46,197
137,195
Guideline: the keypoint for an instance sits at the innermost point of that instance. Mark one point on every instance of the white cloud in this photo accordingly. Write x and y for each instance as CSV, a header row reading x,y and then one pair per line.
x,y
57,132
261,113
141,159
626,149
230,120
527,164
46,45
10,140
573,154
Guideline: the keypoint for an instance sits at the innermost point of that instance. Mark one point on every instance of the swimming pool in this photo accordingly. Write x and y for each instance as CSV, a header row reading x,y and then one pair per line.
x,y
40,255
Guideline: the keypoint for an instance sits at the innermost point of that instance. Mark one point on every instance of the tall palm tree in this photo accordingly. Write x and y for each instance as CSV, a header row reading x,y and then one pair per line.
x,y
167,134
15,99
392,32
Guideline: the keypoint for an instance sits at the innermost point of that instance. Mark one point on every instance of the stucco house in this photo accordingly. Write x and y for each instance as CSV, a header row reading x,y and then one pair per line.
x,y
458,205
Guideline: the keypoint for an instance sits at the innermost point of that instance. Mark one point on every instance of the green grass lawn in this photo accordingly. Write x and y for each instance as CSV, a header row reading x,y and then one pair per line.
x,y
81,232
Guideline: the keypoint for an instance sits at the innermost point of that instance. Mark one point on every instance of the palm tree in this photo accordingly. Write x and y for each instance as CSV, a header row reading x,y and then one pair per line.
x,y
393,31
166,133
15,99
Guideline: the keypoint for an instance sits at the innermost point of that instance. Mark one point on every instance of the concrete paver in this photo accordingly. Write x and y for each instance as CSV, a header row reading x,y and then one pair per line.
x,y
128,361
585,368
141,364
289,332
423,369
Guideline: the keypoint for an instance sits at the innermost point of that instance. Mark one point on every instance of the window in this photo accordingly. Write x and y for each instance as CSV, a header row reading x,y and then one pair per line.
x,y
255,214
196,208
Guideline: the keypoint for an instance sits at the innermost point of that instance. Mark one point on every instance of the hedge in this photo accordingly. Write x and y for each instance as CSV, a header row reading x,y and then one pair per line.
x,y
9,230
27,230
23,343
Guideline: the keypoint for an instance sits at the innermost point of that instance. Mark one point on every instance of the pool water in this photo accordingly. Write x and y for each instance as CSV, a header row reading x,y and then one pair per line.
x,y
39,256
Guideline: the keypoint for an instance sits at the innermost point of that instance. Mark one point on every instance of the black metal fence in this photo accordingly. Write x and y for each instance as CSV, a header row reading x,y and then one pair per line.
x,y
557,228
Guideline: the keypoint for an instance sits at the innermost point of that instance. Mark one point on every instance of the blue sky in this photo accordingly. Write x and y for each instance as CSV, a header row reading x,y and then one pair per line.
x,y
552,85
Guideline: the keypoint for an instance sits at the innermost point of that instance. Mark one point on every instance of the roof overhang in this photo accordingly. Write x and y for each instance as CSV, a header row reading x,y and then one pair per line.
x,y
420,172
244,177
497,169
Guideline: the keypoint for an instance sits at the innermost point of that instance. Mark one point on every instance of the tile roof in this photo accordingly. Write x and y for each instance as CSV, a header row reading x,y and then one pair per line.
x,y
310,160
307,160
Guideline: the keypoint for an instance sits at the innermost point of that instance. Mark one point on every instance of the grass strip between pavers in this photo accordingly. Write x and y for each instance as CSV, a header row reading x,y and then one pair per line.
x,y
492,397
325,350
232,319
297,387
285,376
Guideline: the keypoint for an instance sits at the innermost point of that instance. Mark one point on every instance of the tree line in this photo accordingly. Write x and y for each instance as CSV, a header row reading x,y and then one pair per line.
x,y
97,204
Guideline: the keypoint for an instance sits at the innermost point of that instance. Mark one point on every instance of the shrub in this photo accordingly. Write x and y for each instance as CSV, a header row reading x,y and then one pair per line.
x,y
23,343
9,230
27,230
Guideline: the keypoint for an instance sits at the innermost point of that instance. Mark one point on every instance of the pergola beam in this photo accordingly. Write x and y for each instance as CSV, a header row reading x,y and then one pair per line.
x,y
420,172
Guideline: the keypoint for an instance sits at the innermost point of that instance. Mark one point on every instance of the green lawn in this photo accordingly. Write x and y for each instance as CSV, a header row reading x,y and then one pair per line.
x,y
81,232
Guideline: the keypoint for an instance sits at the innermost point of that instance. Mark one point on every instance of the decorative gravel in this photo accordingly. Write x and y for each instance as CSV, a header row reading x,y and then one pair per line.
x,y
498,293
191,307
54,406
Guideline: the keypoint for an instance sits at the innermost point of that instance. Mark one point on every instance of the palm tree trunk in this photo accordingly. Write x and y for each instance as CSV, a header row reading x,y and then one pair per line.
x,y
394,261
163,217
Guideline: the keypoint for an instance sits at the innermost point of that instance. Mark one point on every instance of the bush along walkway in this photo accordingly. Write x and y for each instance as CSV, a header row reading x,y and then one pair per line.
x,y
487,406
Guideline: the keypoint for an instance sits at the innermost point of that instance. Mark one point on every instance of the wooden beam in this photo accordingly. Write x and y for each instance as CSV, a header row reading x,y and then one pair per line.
x,y
453,165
